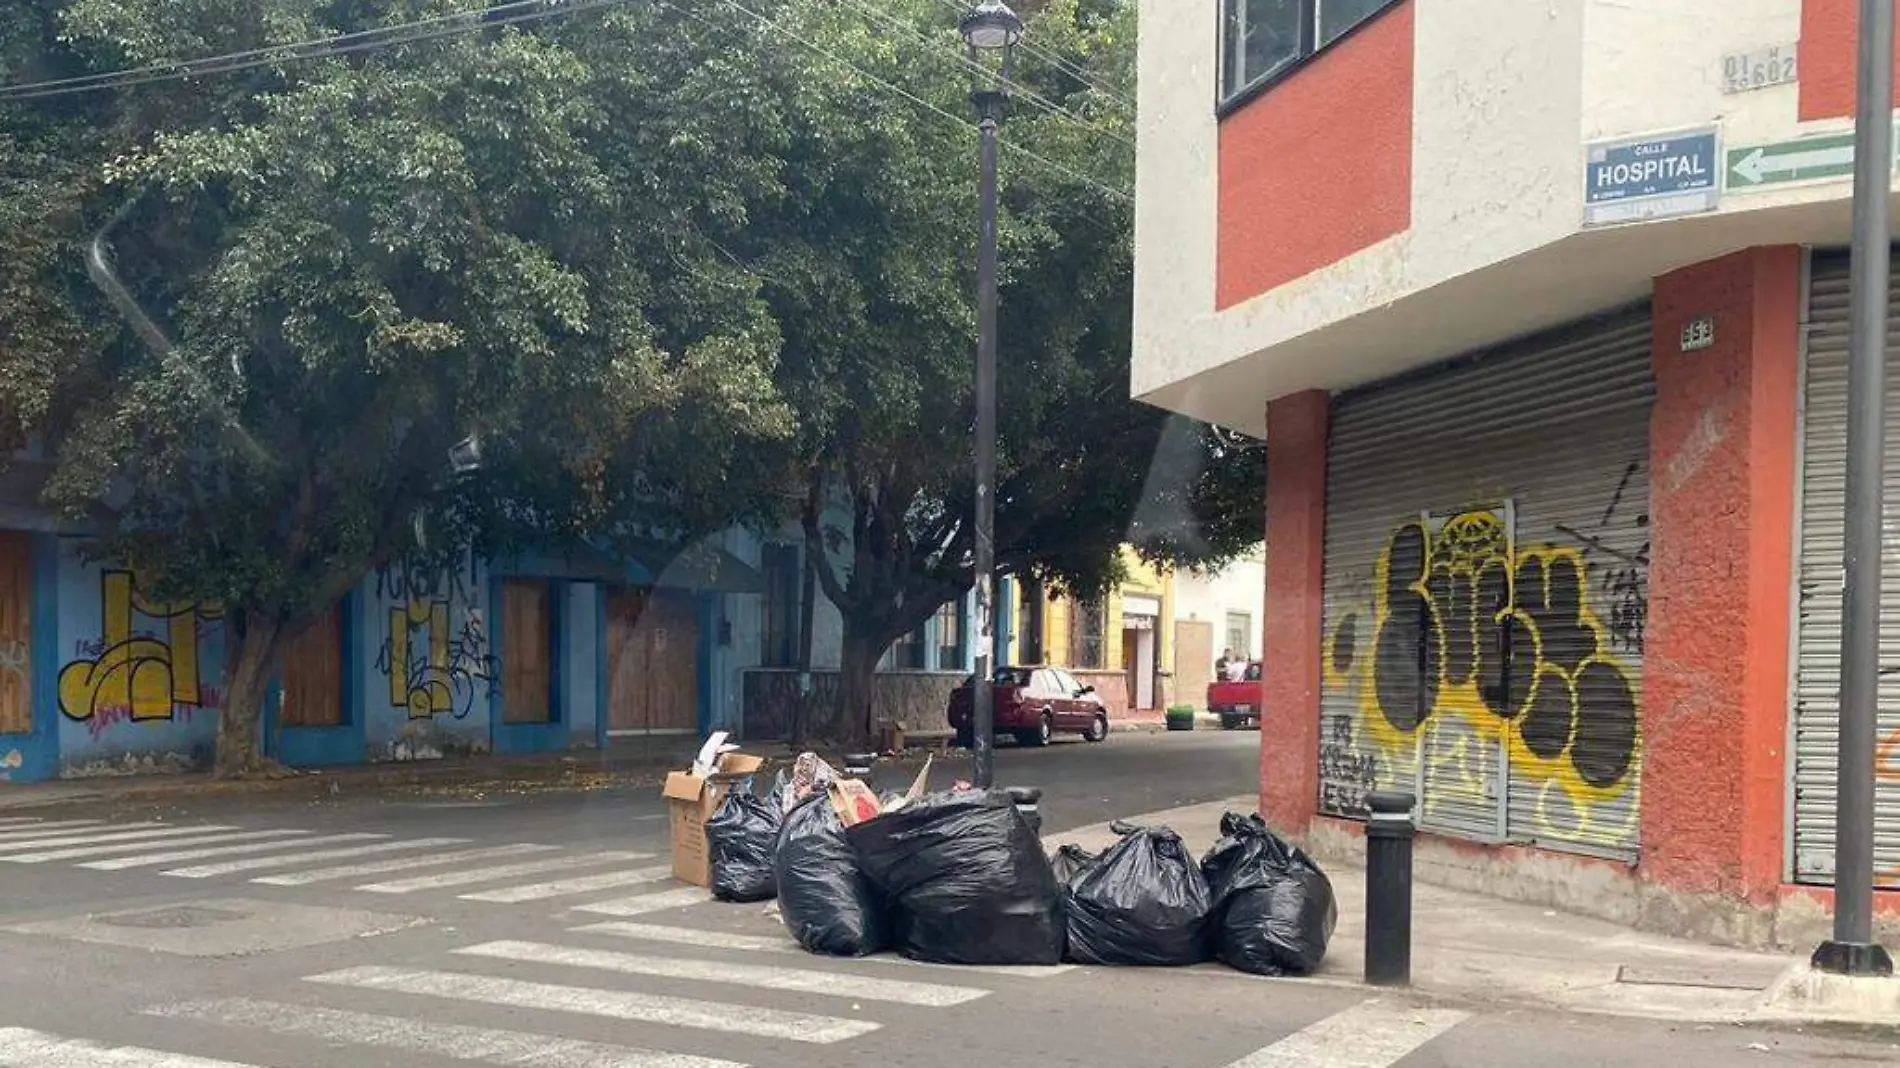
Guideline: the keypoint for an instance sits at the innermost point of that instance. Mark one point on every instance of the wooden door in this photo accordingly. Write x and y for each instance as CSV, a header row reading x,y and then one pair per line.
x,y
313,675
526,665
652,662
16,633
1193,661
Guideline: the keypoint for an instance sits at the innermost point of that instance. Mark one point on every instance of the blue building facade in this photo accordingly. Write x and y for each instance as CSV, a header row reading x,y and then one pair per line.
x,y
98,677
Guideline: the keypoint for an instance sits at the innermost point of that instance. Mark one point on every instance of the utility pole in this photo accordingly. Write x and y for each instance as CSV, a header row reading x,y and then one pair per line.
x,y
1852,950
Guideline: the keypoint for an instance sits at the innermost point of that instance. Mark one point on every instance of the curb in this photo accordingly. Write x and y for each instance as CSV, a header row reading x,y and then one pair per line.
x,y
329,783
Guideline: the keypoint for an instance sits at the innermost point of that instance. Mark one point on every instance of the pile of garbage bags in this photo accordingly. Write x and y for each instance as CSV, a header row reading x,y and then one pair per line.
x,y
959,877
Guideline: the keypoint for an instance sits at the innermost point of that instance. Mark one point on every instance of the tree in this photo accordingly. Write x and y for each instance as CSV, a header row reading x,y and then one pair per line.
x,y
353,264
867,266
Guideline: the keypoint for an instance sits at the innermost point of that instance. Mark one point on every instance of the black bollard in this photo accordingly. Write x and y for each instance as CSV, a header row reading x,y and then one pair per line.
x,y
1389,832
1025,799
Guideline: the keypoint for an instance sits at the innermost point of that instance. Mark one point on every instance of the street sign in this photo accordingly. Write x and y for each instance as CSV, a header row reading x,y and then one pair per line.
x,y
1653,177
1802,159
1744,72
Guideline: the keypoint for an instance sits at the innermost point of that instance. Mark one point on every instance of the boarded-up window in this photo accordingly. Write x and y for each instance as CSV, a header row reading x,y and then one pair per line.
x,y
16,633
313,674
527,638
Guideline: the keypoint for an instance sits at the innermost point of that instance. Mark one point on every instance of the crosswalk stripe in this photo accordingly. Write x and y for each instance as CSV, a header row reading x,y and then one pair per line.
x,y
123,833
1371,1034
641,904
764,977
232,867
466,876
76,852
20,821
580,884
687,936
591,1001
517,1049
174,856
378,867
21,1047
39,829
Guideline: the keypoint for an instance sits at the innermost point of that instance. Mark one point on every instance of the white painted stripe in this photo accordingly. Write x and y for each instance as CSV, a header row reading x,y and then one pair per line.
x,y
23,1048
580,884
765,977
76,852
516,1049
614,1004
39,827
377,867
687,936
500,871
230,867
300,840
641,904
62,838
1372,1034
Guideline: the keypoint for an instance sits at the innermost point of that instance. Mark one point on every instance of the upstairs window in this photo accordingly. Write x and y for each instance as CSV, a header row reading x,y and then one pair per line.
x,y
1261,39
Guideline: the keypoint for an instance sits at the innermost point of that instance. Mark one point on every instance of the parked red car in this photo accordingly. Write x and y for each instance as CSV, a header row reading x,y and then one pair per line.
x,y
1237,703
1035,704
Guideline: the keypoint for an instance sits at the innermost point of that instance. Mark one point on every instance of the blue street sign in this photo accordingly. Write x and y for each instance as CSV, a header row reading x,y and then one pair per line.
x,y
1633,179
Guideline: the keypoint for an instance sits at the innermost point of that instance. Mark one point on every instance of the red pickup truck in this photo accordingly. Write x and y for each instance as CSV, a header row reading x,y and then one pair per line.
x,y
1237,703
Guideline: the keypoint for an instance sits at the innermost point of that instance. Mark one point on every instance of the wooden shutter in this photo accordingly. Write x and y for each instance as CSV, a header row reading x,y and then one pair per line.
x,y
16,633
526,659
313,674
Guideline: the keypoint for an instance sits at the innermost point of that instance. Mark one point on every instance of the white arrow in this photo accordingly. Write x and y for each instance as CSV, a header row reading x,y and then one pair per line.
x,y
1758,166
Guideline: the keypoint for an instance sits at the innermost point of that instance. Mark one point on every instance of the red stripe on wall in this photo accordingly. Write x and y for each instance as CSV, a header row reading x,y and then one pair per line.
x,y
1828,59
1319,166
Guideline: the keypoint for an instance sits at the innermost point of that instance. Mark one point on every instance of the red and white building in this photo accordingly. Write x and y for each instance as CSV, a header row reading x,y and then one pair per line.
x,y
1541,308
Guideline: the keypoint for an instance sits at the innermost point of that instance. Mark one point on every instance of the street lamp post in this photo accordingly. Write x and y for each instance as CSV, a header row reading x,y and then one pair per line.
x,y
990,30
1852,950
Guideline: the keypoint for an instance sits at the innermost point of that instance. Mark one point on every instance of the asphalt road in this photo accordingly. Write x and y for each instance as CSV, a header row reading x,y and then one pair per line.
x,y
542,931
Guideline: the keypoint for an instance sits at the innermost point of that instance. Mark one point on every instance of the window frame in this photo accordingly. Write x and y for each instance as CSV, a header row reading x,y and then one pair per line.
x,y
779,606
950,624
1244,649
1309,49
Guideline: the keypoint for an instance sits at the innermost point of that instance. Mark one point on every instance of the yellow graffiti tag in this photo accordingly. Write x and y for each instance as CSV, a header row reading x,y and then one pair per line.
x,y
425,690
1471,643
141,677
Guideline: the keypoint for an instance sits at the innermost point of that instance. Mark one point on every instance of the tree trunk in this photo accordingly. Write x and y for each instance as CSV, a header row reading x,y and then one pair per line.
x,y
247,678
857,683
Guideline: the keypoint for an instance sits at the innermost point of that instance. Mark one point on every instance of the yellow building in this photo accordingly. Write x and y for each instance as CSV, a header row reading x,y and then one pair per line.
x,y
1117,644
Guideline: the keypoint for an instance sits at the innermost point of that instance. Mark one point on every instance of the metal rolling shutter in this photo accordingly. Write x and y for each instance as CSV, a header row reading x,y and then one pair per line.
x,y
1501,506
1818,668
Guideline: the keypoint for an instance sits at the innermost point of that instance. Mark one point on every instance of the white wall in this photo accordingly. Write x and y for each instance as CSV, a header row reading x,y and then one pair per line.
x,y
1240,587
1506,94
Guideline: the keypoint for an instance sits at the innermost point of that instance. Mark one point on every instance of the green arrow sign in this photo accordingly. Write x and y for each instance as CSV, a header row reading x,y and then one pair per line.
x,y
1803,159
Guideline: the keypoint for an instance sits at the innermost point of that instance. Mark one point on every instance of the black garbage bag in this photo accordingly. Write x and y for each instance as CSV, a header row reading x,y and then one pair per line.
x,y
1144,902
740,839
1274,907
825,901
1071,862
967,880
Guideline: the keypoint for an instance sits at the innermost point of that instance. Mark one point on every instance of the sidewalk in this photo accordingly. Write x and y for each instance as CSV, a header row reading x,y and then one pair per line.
x,y
1471,948
622,764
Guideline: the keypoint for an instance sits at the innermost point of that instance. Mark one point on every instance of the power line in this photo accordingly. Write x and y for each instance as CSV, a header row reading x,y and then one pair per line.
x,y
438,26
1016,87
961,7
1118,194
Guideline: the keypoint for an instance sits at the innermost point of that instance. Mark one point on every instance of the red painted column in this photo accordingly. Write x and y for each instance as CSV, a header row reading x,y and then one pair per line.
x,y
1290,659
1715,656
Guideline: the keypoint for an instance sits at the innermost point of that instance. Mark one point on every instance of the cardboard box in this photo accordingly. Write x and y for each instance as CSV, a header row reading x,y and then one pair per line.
x,y
691,800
